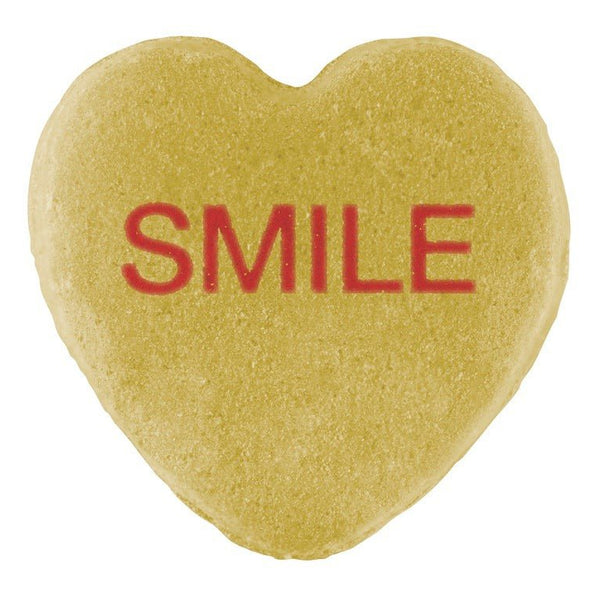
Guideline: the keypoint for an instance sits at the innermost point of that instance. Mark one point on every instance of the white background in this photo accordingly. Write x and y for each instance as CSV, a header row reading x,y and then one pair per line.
x,y
82,515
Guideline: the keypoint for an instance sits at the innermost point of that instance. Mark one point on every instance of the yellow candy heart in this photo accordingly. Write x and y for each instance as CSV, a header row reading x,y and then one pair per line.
x,y
302,305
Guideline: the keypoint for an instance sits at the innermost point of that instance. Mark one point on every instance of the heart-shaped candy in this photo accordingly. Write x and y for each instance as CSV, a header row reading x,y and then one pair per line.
x,y
302,305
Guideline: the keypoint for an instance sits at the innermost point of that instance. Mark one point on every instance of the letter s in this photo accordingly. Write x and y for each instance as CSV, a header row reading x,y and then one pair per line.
x,y
141,241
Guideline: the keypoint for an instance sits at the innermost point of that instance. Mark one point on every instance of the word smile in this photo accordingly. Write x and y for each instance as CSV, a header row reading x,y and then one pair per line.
x,y
282,223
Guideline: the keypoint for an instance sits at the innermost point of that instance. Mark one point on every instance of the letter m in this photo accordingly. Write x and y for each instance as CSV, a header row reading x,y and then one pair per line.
x,y
216,219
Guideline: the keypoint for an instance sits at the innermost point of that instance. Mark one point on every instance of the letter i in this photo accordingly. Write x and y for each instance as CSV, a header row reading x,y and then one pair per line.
x,y
318,228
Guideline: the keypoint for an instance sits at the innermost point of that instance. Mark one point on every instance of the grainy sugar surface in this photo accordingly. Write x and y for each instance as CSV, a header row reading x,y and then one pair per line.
x,y
300,423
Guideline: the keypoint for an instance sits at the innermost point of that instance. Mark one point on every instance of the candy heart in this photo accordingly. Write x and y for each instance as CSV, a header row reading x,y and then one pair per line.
x,y
251,275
